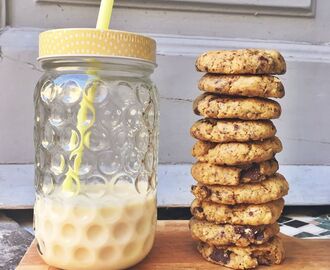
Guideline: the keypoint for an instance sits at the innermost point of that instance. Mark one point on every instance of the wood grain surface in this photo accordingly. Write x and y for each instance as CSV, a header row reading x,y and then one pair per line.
x,y
175,250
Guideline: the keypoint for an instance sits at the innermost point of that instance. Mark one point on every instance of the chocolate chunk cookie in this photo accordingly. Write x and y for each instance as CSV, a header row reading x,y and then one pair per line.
x,y
240,214
271,189
214,130
245,108
244,61
235,153
242,85
269,253
228,234
211,174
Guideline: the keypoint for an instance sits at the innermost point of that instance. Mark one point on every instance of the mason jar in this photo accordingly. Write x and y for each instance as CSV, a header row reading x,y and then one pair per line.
x,y
96,149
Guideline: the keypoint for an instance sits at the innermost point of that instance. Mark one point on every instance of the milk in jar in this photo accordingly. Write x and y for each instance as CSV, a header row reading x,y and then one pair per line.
x,y
112,233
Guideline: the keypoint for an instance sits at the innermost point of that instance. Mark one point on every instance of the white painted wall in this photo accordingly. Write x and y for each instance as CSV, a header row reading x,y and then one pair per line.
x,y
288,20
303,126
183,29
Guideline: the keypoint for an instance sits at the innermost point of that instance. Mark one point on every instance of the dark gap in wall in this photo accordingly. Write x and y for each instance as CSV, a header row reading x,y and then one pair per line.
x,y
183,213
177,213
168,213
315,210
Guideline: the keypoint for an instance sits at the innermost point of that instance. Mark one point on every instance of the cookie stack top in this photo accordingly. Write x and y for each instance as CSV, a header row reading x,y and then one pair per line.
x,y
238,195
237,107
244,61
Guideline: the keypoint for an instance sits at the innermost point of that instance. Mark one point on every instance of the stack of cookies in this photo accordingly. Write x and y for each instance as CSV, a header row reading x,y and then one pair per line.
x,y
238,191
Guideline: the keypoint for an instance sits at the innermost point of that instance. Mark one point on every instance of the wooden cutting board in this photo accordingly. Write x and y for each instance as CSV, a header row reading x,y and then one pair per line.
x,y
175,250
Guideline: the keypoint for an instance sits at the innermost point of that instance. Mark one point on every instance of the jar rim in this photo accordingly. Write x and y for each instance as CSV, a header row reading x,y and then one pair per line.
x,y
96,42
96,58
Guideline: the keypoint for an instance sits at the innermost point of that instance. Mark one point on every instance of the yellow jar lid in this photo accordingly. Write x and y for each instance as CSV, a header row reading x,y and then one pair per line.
x,y
96,42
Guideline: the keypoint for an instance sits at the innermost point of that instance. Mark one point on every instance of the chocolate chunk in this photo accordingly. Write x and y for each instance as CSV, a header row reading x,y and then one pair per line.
x,y
195,109
213,97
205,192
222,234
218,194
263,63
220,255
259,235
250,232
263,258
197,210
244,231
202,192
241,231
252,173
209,121
262,58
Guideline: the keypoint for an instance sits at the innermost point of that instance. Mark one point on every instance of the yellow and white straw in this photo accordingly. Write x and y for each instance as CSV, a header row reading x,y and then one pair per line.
x,y
71,182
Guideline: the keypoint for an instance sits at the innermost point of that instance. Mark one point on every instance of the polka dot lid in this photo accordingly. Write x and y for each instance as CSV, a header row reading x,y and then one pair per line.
x,y
96,42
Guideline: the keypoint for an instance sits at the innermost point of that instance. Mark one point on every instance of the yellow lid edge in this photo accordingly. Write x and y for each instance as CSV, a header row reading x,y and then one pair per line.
x,y
98,42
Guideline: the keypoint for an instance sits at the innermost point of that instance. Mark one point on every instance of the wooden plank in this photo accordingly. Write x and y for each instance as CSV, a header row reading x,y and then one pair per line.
x,y
174,249
174,185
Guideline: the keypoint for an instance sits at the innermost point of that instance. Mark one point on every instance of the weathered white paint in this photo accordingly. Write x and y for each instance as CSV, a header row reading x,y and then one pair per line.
x,y
175,22
2,13
190,46
304,126
194,45
18,76
16,183
308,185
265,7
300,32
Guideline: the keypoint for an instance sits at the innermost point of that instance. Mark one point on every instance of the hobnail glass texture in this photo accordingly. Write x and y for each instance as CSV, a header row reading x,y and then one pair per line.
x,y
121,140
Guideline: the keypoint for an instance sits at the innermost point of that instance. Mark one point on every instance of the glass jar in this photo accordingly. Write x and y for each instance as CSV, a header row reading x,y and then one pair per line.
x,y
96,154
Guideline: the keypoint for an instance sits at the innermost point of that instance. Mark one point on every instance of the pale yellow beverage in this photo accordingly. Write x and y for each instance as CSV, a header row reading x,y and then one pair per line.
x,y
113,231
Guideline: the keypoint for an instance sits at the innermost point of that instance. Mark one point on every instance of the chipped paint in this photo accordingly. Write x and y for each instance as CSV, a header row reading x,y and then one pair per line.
x,y
19,61
177,99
